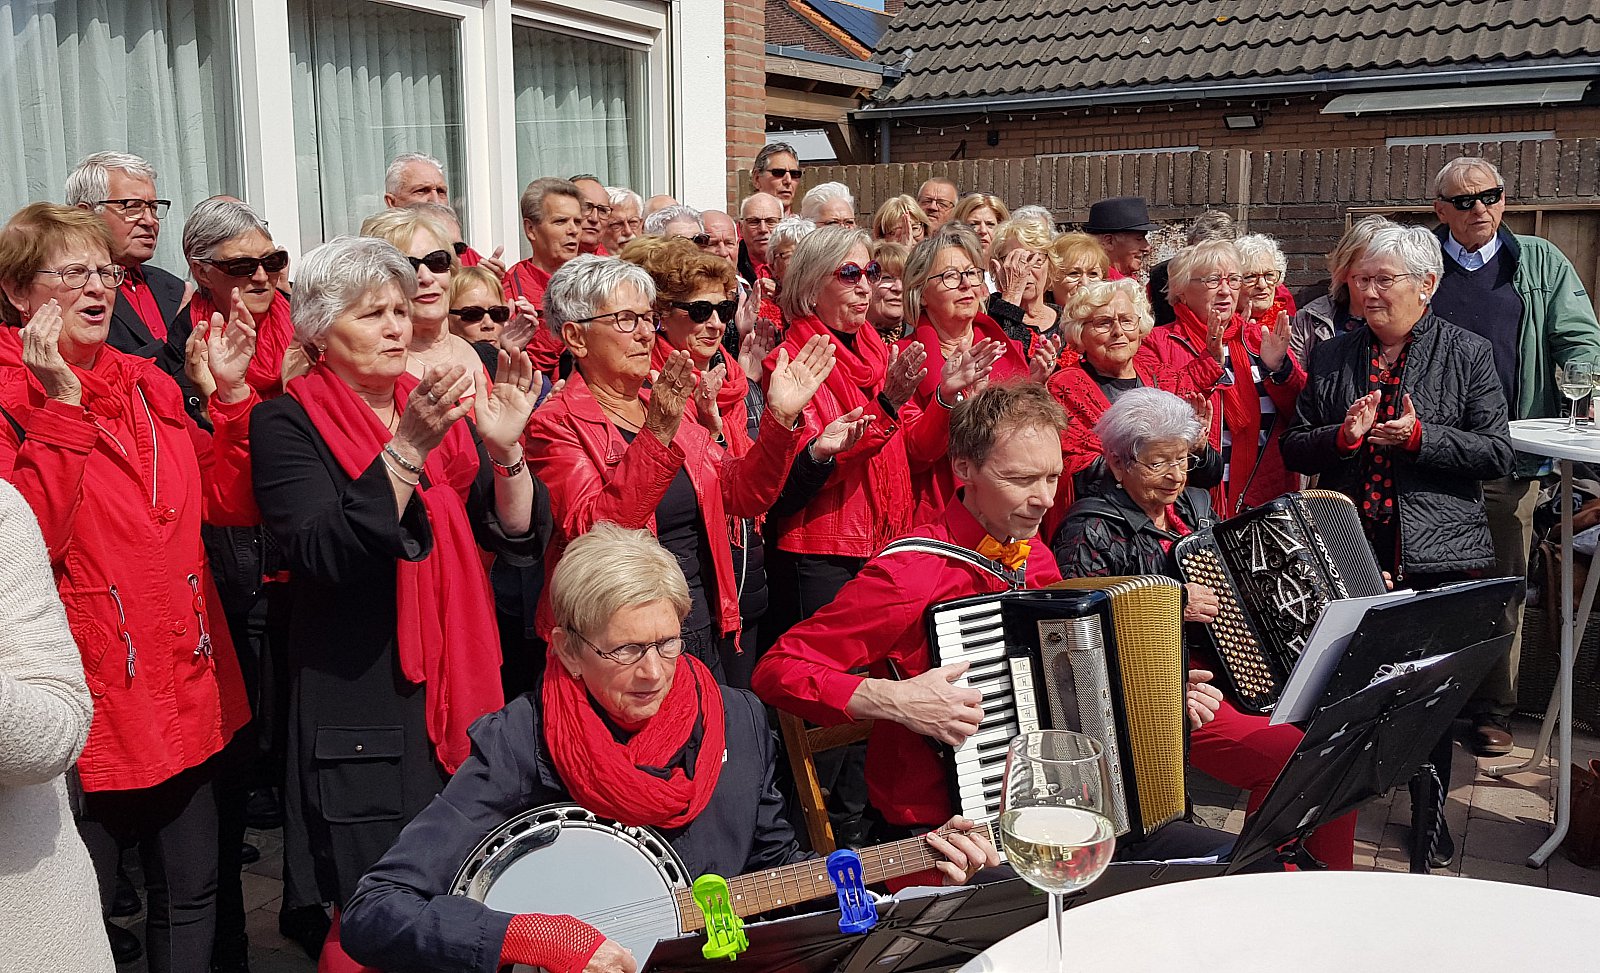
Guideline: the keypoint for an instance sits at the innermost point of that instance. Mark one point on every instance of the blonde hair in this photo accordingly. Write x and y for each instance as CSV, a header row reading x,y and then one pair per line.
x,y
1032,234
1095,295
1072,248
467,278
399,226
972,202
33,234
895,209
608,569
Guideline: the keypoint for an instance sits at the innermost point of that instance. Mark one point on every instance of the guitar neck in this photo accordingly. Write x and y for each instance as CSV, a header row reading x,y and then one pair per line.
x,y
806,881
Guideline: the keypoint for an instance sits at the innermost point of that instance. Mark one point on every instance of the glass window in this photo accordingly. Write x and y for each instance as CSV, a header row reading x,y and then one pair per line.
x,y
153,77
371,81
581,107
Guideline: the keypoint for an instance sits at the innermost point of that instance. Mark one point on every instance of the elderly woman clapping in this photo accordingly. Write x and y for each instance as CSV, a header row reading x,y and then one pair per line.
x,y
1249,366
614,450
1126,524
376,492
1262,267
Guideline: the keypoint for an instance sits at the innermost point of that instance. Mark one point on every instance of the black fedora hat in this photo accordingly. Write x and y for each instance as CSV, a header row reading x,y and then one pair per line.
x,y
1120,214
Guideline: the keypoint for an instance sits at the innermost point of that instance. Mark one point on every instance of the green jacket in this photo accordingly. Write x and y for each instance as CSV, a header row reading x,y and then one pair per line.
x,y
1558,326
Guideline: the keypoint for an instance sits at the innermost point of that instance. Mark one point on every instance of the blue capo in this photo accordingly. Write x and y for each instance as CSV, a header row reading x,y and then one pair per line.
x,y
857,910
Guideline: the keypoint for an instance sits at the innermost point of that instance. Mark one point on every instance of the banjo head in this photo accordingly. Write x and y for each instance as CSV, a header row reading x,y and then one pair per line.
x,y
563,860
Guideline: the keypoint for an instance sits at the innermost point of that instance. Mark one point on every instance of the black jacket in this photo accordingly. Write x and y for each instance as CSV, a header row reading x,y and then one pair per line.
x,y
403,919
128,333
1106,534
1450,376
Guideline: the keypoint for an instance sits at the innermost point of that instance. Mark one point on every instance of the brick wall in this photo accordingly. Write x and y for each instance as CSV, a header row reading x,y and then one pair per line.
x,y
747,89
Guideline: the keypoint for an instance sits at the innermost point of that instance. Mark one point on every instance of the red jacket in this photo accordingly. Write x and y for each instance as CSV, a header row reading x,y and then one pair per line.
x,y
595,475
527,279
133,574
879,617
933,483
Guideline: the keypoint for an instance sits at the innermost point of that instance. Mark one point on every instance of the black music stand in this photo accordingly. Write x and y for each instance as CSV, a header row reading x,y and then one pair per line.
x,y
809,943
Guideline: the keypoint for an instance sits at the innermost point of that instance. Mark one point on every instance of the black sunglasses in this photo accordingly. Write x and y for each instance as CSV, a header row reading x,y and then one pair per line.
x,y
460,247
701,239
1466,201
437,261
780,173
850,273
472,313
700,311
246,266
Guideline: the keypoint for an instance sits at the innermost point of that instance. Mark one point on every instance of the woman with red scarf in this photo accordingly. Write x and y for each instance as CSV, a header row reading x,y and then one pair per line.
x,y
376,491
120,479
945,295
627,725
1259,379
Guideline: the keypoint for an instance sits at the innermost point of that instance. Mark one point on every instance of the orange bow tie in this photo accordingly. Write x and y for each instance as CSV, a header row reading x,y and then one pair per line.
x,y
1013,555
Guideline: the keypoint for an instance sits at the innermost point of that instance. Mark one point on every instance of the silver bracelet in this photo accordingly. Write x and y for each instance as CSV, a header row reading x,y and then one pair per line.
x,y
388,447
399,475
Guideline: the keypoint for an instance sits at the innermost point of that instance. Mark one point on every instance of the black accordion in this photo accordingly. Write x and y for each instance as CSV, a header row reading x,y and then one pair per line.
x,y
1274,569
1106,660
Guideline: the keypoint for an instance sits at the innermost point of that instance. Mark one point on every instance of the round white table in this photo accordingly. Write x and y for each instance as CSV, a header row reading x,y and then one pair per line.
x,y
1314,922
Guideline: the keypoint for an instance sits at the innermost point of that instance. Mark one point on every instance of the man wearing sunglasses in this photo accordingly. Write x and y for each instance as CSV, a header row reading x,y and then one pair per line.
x,y
1523,295
121,189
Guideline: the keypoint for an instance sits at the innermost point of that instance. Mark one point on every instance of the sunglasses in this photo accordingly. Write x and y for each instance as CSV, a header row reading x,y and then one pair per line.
x,y
437,261
1466,201
272,263
700,311
701,240
780,173
850,273
472,313
460,247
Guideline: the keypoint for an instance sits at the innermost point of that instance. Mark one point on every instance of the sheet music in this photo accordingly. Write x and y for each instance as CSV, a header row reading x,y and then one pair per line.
x,y
1329,638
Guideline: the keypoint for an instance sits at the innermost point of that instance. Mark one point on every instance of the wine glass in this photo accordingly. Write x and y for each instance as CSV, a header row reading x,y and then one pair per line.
x,y
1576,380
1054,823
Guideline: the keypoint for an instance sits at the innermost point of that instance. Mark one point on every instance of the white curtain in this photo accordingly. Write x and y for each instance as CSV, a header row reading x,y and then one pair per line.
x,y
580,107
151,77
370,82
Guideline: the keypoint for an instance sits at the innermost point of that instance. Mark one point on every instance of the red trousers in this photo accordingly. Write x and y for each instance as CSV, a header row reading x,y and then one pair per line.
x,y
1245,751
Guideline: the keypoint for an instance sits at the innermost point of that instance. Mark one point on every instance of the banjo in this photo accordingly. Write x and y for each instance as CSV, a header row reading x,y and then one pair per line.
x,y
628,882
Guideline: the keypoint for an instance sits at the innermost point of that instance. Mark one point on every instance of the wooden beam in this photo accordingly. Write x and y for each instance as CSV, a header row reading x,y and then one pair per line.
x,y
809,105
848,147
827,73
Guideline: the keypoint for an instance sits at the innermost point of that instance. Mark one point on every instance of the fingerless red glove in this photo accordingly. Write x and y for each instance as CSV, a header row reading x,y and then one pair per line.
x,y
560,944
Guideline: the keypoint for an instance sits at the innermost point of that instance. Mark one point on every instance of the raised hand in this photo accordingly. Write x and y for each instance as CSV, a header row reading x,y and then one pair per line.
x,y
1359,419
495,263
436,404
794,383
1045,357
503,413
669,391
1217,322
756,345
1013,274
229,348
1201,404
840,434
1275,342
516,334
904,373
1201,698
41,352
968,369
196,364
1396,432
705,399
744,320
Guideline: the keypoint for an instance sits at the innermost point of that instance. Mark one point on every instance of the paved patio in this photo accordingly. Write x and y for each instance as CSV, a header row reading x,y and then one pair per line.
x,y
1496,824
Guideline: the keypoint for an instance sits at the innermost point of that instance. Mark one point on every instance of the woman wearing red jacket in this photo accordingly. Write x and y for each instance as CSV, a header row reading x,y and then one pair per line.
x,y
1253,400
120,480
612,450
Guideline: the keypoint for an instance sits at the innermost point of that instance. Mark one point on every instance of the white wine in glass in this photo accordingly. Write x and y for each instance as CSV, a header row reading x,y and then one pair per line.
x,y
1053,818
1575,379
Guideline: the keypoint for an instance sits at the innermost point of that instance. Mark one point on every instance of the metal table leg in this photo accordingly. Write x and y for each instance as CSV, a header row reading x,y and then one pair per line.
x,y
1563,678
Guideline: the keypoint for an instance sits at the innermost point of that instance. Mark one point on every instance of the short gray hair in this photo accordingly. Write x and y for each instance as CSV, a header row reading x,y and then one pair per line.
x,y
814,261
397,169
583,285
442,213
656,223
1037,213
768,151
333,277
1188,263
919,263
812,202
90,180
1213,224
531,204
214,222
609,569
790,229
1253,247
623,197
1143,416
1096,294
1460,167
1415,246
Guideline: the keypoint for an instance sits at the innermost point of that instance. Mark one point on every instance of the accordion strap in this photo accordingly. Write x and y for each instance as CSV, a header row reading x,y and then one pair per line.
x,y
928,545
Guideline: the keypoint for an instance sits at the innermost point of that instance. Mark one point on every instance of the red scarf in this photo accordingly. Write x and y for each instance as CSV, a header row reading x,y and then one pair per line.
x,y
447,635
734,387
622,780
1241,402
274,334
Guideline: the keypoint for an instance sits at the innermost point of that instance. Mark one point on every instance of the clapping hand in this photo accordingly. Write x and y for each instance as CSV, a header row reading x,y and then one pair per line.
x,y
968,370
196,361
1201,404
229,348
494,263
670,389
516,334
1217,321
502,416
1358,421
438,401
904,373
1043,363
705,399
840,434
1275,342
794,383
756,345
41,352
1396,432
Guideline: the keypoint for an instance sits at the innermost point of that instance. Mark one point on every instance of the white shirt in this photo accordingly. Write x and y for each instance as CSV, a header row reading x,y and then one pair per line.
x,y
1471,259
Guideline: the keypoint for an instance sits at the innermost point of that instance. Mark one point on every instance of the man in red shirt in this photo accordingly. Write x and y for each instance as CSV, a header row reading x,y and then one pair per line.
x,y
121,188
553,222
596,212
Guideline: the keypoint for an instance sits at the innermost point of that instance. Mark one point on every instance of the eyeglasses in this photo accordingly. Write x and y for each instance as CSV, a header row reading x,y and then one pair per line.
x,y
438,261
460,247
791,173
850,273
626,322
77,277
1466,201
132,209
1214,281
1105,325
935,203
630,653
472,313
1267,277
635,225
587,209
701,239
1185,465
272,263
952,278
1078,276
847,221
1382,281
758,221
700,311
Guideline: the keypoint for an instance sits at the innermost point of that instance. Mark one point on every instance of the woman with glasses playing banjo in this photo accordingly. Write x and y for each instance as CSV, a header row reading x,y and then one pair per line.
x,y
628,726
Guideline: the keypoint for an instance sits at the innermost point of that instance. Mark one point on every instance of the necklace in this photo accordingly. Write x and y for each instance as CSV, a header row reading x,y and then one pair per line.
x,y
622,420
